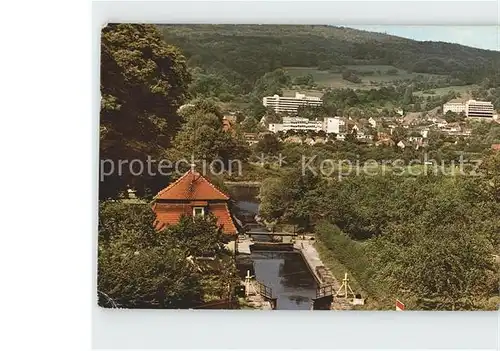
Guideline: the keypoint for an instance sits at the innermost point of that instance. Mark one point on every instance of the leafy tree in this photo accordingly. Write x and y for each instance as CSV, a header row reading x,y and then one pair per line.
x,y
250,125
398,134
351,76
200,236
352,136
269,144
305,80
143,83
202,135
271,83
491,168
272,116
139,267
446,266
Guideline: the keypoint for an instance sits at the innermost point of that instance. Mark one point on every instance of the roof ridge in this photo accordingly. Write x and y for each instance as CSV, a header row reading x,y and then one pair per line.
x,y
196,177
213,186
171,185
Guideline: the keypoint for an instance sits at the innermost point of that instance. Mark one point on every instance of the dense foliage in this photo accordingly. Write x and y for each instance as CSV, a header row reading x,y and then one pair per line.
x,y
431,239
143,83
139,267
202,136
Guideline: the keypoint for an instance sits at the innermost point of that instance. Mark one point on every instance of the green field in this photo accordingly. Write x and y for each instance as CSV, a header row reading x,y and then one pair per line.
x,y
334,80
464,90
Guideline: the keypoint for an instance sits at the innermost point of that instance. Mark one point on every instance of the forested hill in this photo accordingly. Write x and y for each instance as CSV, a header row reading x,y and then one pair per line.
x,y
243,53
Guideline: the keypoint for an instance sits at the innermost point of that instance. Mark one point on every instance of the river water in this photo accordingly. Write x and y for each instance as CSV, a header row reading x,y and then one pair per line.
x,y
286,273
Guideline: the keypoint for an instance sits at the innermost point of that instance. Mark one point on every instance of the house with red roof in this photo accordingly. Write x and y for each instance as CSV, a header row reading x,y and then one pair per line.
x,y
193,195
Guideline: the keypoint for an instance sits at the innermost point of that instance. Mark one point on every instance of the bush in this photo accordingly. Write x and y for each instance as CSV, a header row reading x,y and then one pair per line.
x,y
347,251
350,76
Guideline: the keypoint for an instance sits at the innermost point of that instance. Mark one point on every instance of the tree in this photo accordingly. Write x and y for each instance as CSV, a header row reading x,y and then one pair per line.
x,y
202,136
491,168
271,83
351,76
447,266
450,116
143,83
139,267
250,125
398,134
269,144
272,116
352,136
305,80
292,198
408,96
200,236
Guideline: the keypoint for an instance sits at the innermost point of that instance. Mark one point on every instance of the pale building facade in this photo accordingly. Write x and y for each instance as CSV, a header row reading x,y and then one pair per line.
x,y
285,104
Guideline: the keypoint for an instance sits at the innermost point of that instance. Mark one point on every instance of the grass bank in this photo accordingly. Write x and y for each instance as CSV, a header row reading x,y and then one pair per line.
x,y
341,255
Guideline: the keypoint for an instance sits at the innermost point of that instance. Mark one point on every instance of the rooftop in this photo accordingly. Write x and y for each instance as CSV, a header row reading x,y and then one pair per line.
x,y
191,186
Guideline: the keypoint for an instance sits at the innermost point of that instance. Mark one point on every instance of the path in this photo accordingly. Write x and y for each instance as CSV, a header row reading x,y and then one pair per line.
x,y
322,274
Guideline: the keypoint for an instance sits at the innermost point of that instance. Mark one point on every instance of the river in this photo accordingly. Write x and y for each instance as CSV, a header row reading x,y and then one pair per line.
x,y
286,273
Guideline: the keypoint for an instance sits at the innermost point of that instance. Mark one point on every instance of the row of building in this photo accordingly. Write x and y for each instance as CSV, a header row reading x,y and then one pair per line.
x,y
290,105
328,125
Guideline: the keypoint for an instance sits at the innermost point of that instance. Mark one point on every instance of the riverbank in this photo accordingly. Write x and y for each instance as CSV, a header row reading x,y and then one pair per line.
x,y
321,273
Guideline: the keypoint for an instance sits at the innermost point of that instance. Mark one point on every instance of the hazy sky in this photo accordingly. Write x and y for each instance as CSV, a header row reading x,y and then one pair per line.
x,y
484,37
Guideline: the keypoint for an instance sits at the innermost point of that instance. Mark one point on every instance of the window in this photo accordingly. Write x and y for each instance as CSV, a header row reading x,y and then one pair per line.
x,y
198,211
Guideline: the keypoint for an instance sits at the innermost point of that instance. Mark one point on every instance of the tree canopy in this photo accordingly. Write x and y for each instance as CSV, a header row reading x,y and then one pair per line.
x,y
143,83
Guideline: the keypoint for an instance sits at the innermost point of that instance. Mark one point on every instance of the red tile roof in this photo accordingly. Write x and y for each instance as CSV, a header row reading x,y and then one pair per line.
x,y
223,217
495,147
169,214
191,186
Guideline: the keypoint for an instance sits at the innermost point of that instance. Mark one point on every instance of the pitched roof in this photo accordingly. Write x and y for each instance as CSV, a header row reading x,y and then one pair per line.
x,y
191,186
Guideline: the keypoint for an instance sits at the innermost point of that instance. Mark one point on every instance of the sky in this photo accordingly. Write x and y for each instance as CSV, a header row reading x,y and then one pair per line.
x,y
483,37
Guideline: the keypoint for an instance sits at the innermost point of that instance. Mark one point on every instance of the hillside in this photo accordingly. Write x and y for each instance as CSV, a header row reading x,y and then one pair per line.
x,y
243,53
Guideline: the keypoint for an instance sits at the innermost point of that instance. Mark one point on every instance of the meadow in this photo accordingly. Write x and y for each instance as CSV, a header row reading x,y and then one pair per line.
x,y
330,79
464,90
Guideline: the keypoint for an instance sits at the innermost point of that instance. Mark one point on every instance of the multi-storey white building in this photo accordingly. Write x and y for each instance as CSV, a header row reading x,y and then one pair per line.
x,y
276,127
297,123
329,125
284,104
471,108
479,109
333,125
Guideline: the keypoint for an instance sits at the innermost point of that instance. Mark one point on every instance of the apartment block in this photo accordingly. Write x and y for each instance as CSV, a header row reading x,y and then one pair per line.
x,y
479,109
284,104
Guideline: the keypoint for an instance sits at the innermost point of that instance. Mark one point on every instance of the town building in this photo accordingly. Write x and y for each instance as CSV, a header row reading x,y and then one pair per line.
x,y
276,127
372,122
228,123
193,195
296,123
471,108
328,125
251,138
479,109
333,125
456,106
286,104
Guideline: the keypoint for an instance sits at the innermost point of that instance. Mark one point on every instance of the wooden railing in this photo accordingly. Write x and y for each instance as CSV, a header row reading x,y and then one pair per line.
x,y
323,291
264,291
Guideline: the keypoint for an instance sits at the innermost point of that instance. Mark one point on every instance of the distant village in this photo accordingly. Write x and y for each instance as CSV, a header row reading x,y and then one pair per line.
x,y
372,131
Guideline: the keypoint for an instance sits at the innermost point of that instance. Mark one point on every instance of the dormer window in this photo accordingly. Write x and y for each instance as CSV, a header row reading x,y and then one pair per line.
x,y
198,211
